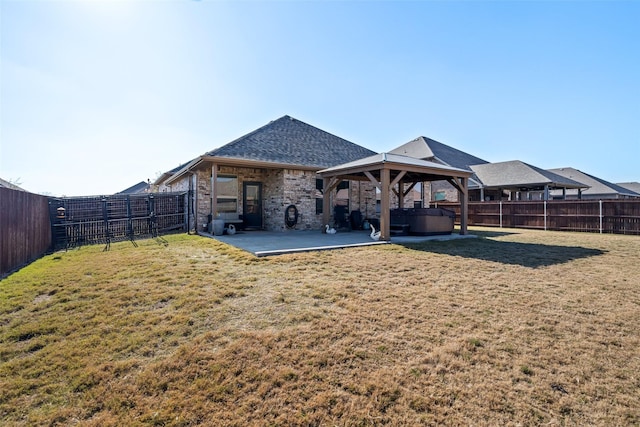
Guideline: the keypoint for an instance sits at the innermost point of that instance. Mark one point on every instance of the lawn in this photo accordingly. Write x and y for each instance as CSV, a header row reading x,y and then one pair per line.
x,y
513,328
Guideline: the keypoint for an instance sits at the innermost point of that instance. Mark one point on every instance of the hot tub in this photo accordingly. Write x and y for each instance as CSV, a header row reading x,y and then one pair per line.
x,y
423,221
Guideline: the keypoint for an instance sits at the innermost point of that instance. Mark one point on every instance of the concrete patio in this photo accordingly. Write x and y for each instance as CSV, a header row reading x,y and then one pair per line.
x,y
266,243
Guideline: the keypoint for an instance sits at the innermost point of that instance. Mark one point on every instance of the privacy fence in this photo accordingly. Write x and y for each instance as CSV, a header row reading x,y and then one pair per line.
x,y
32,225
25,231
101,220
597,216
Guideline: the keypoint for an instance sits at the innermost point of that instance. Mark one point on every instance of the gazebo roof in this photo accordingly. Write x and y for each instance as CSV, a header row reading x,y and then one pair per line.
x,y
421,170
385,171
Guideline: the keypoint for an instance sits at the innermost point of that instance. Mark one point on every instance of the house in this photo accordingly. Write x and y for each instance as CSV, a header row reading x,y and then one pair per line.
x,y
521,181
267,178
633,186
7,184
428,149
598,187
141,187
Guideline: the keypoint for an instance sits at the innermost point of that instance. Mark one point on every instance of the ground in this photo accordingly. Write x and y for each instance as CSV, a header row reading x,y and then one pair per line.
x,y
513,328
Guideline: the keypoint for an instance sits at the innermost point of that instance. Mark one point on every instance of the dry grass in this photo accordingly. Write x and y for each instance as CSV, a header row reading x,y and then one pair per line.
x,y
514,328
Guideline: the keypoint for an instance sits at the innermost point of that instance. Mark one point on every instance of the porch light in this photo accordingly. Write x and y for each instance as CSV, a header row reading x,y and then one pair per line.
x,y
60,212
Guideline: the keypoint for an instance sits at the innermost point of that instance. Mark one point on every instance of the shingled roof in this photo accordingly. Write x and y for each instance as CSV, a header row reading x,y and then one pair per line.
x,y
429,149
7,184
520,174
141,187
633,186
292,142
598,186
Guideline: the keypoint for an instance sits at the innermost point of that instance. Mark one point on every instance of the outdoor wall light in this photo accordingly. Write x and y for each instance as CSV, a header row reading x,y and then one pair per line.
x,y
61,212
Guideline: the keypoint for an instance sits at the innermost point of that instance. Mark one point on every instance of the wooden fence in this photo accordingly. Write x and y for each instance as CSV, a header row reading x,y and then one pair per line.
x,y
25,230
596,216
106,219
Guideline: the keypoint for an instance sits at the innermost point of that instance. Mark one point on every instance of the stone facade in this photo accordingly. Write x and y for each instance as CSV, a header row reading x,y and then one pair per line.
x,y
445,191
280,188
362,197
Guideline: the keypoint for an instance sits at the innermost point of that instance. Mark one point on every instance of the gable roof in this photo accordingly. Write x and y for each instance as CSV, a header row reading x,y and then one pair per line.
x,y
597,185
292,142
519,174
633,186
141,187
7,184
168,174
413,170
429,149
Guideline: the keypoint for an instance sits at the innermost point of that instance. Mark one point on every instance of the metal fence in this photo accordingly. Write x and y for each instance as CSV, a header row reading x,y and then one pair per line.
x,y
104,219
597,216
25,230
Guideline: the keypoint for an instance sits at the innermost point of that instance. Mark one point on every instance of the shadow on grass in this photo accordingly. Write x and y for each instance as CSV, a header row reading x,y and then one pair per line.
x,y
525,254
482,233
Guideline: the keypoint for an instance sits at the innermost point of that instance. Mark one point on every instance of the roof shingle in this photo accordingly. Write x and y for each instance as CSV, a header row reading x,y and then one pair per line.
x,y
520,174
290,141
598,186
429,149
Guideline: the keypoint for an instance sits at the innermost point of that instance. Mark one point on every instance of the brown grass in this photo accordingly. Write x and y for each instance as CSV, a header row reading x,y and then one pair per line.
x,y
513,328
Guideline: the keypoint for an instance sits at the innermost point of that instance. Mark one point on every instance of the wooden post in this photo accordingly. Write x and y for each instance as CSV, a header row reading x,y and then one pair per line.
x,y
326,201
464,205
385,221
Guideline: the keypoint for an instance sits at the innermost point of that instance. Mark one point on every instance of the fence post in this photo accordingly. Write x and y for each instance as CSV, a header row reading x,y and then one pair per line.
x,y
129,218
105,217
545,215
600,205
500,213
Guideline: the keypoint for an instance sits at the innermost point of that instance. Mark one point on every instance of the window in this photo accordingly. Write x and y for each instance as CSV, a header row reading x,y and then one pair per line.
x,y
227,194
440,196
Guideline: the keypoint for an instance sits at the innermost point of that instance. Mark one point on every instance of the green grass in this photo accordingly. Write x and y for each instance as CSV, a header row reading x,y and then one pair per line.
x,y
517,326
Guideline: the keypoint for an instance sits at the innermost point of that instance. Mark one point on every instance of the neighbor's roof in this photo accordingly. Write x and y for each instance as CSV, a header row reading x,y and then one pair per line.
x,y
141,187
168,174
597,185
7,184
519,174
292,142
633,186
429,149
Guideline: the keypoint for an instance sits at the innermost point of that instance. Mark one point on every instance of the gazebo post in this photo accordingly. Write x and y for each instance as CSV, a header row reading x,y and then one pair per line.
x,y
326,201
385,221
464,205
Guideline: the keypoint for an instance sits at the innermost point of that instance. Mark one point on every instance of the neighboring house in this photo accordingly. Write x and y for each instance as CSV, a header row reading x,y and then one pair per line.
x,y
428,149
598,188
267,179
141,187
521,181
633,186
7,184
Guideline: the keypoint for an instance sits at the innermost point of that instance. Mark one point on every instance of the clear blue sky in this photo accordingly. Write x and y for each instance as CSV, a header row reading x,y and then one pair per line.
x,y
99,95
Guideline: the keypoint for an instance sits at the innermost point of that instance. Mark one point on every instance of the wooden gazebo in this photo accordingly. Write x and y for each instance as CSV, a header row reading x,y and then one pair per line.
x,y
387,170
